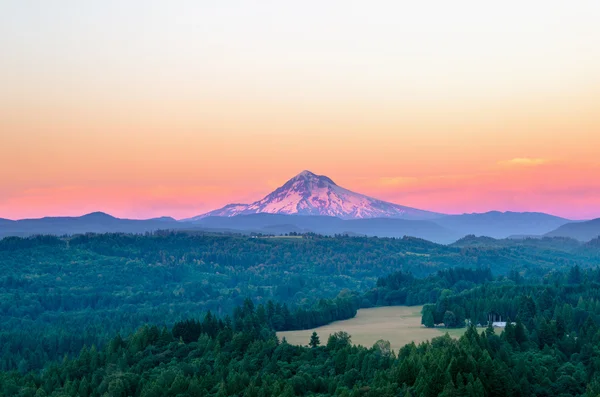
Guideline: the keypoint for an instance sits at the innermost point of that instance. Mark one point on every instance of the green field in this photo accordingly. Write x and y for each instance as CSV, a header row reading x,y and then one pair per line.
x,y
399,325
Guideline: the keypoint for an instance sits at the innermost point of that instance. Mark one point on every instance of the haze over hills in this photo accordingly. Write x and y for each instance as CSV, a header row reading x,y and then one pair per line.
x,y
502,224
96,222
311,194
444,230
329,225
582,231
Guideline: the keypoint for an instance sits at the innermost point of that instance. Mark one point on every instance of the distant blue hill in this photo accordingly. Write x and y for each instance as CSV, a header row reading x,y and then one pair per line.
x,y
96,222
502,224
382,227
582,231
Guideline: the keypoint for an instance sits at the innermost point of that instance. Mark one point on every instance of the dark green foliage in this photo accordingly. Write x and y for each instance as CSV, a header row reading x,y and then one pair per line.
x,y
402,288
242,357
427,318
555,306
59,294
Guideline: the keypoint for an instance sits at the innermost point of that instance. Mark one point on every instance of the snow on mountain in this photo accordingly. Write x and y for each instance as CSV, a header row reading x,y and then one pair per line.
x,y
310,194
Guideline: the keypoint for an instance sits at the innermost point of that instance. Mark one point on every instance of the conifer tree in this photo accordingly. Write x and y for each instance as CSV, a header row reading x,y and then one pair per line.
x,y
314,340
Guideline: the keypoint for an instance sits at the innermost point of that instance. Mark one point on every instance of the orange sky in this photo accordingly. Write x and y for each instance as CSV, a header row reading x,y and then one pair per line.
x,y
176,110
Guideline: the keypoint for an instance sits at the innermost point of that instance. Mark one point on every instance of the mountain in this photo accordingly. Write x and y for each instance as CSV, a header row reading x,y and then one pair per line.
x,y
96,222
315,196
502,224
325,208
582,231
311,194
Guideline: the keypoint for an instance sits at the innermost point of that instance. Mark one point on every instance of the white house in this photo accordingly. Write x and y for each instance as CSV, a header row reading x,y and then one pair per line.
x,y
500,324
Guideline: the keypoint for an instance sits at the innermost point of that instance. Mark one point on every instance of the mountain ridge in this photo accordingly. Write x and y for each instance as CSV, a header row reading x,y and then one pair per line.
x,y
95,222
278,224
502,224
582,231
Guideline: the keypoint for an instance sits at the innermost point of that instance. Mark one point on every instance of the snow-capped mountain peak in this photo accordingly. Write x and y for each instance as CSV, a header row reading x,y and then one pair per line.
x,y
311,194
311,177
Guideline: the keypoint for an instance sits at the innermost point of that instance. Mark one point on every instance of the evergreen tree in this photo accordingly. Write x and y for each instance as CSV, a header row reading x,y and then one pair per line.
x,y
314,340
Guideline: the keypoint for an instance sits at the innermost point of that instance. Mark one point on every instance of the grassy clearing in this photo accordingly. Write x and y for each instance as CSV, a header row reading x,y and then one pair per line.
x,y
398,324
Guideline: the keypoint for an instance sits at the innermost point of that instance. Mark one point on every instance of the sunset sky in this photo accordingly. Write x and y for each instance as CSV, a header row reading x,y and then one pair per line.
x,y
151,108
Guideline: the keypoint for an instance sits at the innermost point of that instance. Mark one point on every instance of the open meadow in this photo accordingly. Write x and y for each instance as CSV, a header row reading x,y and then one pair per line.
x,y
399,325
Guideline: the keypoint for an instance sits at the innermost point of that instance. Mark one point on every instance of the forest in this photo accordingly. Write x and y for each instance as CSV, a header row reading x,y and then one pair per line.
x,y
241,356
196,314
